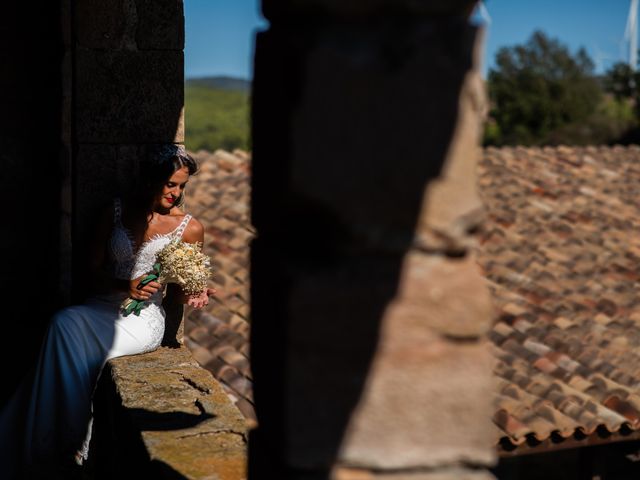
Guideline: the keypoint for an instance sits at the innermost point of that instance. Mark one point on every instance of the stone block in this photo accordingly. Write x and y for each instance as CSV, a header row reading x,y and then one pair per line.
x,y
425,404
95,183
160,24
376,358
452,207
422,400
130,24
102,172
355,82
129,97
105,25
174,412
444,294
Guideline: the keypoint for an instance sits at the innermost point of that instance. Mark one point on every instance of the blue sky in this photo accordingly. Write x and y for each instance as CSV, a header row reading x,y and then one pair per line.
x,y
219,37
220,33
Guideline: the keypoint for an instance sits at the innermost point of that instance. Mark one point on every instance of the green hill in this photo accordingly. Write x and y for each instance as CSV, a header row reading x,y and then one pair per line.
x,y
216,113
222,82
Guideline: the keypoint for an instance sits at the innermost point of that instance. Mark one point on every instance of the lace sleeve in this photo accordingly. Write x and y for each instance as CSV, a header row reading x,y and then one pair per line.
x,y
146,256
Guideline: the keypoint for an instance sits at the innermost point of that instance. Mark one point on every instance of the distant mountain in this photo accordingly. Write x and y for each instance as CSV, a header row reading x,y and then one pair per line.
x,y
221,82
216,113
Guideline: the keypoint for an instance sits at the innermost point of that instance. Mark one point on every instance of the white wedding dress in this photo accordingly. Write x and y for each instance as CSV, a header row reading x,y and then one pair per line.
x,y
48,419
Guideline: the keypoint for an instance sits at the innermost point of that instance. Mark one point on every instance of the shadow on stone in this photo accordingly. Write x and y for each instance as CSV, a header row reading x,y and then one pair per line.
x,y
351,122
155,421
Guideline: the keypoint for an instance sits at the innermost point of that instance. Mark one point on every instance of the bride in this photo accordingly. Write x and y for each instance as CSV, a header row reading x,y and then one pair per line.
x,y
46,426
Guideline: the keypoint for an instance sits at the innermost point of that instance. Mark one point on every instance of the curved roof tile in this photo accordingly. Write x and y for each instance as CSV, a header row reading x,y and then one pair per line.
x,y
560,252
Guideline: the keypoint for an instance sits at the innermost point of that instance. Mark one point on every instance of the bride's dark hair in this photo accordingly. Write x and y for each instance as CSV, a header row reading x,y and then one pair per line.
x,y
153,173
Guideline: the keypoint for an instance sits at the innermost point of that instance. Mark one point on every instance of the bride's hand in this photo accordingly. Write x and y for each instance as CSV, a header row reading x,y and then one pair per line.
x,y
144,292
202,299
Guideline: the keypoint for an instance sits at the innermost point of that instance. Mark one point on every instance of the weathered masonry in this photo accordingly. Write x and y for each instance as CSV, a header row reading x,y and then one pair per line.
x,y
368,313
366,121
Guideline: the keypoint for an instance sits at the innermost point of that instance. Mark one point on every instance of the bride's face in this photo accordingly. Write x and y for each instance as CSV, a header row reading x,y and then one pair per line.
x,y
173,188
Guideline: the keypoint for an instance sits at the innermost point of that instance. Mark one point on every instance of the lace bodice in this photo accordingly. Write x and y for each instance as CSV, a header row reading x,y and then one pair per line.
x,y
127,264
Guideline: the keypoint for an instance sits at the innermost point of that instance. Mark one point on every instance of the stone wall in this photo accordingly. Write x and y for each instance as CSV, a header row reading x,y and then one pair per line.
x,y
127,90
86,86
369,313
31,53
160,415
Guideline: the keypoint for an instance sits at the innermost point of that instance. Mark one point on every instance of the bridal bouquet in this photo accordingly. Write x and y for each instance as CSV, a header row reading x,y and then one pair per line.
x,y
178,262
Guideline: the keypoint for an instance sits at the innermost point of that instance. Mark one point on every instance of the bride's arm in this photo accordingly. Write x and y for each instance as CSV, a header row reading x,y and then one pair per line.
x,y
194,233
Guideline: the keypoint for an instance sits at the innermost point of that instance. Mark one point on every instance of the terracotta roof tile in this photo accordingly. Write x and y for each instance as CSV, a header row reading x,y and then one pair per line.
x,y
219,336
560,252
560,255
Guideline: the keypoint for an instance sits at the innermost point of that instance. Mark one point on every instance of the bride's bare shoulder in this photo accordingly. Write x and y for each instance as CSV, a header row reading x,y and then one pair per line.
x,y
194,231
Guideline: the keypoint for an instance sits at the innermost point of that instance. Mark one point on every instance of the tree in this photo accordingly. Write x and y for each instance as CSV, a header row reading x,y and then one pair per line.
x,y
539,88
621,81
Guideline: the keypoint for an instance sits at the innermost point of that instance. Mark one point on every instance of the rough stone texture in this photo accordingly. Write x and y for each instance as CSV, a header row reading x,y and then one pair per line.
x,y
104,25
130,24
451,381
129,96
338,321
419,382
160,24
452,207
425,403
388,95
98,172
445,294
186,423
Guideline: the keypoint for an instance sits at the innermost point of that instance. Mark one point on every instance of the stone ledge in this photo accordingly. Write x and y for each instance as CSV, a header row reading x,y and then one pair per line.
x,y
453,473
161,413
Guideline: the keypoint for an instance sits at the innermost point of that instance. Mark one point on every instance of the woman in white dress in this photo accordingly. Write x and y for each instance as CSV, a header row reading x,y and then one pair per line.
x,y
46,426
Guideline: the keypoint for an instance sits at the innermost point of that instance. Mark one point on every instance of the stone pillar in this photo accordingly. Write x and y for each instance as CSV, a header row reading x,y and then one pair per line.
x,y
368,309
31,53
127,93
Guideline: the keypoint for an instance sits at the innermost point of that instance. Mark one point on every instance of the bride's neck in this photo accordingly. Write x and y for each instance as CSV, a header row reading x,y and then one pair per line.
x,y
160,210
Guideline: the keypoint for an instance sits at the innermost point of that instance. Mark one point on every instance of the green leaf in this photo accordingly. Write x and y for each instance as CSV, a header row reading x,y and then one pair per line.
x,y
148,278
130,307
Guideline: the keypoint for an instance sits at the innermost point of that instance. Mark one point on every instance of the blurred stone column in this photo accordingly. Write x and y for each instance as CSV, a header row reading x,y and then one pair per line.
x,y
368,309
32,47
128,92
